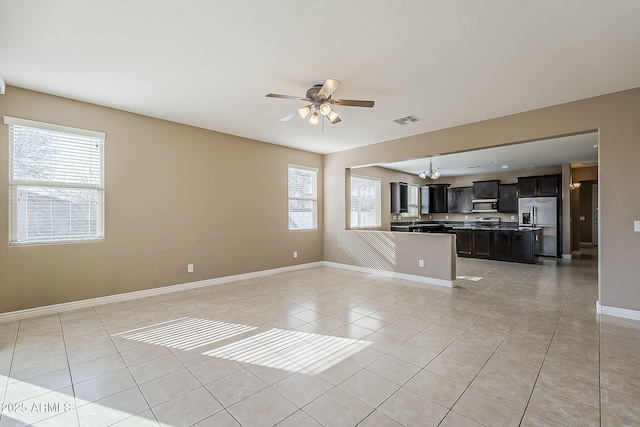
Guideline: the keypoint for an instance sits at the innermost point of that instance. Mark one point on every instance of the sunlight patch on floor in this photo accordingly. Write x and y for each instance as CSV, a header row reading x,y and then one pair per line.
x,y
276,348
290,350
186,333
471,278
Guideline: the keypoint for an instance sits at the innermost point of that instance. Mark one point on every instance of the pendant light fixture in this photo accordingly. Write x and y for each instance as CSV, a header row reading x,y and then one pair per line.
x,y
432,173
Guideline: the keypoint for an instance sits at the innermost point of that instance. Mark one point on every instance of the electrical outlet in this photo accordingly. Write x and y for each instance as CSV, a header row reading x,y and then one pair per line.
x,y
420,263
295,254
513,217
446,217
189,268
466,217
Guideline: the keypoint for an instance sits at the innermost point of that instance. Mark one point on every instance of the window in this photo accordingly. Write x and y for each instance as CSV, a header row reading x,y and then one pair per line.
x,y
303,198
56,183
412,201
366,199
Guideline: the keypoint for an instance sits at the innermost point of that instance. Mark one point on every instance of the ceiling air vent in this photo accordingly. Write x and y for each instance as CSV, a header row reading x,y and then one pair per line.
x,y
404,120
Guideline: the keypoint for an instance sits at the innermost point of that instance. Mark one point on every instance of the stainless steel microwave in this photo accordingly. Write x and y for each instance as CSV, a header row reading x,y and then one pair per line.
x,y
484,205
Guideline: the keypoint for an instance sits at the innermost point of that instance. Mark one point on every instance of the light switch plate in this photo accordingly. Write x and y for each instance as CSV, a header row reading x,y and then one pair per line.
x,y
636,225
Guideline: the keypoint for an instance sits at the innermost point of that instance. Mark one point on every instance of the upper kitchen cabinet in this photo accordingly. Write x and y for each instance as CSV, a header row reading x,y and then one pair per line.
x,y
539,186
549,185
486,189
460,199
399,197
508,198
434,199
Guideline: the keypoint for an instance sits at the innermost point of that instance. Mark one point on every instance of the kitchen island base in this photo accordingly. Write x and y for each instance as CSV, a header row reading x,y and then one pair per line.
x,y
504,245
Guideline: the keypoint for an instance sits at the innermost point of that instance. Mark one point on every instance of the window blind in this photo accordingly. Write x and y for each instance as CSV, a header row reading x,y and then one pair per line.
x,y
56,178
303,198
366,200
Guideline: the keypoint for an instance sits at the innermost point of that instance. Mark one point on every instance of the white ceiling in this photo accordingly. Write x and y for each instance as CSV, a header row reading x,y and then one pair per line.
x,y
578,150
211,63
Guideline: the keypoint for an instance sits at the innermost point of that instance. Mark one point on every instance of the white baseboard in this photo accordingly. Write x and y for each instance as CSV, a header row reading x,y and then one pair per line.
x,y
617,312
109,299
567,256
396,275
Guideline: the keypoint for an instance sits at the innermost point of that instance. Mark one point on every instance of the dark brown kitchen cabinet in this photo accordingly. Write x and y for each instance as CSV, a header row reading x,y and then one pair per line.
x,y
434,199
482,243
523,244
399,197
539,186
464,242
485,189
502,245
460,199
501,241
508,198
549,185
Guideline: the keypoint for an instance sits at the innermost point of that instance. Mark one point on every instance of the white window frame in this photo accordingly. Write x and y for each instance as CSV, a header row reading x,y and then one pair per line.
x,y
311,199
413,191
15,184
358,222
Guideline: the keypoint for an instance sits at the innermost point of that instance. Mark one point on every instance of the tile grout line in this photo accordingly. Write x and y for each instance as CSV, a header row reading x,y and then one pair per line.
x,y
6,390
548,347
494,352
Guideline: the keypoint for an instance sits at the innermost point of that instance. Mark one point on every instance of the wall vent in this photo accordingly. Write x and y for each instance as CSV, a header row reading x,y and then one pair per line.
x,y
408,119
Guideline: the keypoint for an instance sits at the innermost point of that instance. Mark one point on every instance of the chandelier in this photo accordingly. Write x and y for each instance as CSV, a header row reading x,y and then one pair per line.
x,y
432,173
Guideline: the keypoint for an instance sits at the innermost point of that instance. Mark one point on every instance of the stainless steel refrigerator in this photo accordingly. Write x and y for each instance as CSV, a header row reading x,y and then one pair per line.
x,y
541,212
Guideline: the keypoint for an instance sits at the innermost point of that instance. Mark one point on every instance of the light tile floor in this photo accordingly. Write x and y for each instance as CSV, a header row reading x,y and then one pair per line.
x,y
510,345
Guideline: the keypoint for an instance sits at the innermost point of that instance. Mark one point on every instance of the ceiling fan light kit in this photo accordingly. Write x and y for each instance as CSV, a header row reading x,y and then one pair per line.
x,y
320,98
333,117
325,109
304,111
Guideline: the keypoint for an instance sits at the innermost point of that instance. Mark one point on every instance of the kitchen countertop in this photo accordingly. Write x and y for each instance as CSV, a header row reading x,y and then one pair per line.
x,y
499,228
457,225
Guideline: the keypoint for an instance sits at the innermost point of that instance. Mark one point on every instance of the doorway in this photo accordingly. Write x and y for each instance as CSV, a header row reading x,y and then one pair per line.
x,y
594,213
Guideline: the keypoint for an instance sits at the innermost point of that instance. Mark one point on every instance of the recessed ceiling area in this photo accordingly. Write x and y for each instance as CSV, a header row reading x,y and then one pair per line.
x,y
578,150
210,64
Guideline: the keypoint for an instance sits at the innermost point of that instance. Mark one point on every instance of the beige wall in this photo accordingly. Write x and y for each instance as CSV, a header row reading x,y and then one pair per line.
x,y
615,116
174,195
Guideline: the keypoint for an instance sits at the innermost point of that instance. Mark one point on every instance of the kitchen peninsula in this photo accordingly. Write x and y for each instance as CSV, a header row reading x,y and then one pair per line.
x,y
427,258
486,238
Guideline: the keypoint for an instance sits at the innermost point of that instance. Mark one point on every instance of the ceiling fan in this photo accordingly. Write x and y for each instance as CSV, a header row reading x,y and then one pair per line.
x,y
320,100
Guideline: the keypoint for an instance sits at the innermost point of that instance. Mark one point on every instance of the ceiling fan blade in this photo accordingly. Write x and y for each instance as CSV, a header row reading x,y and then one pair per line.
x,y
289,116
328,87
352,103
275,95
